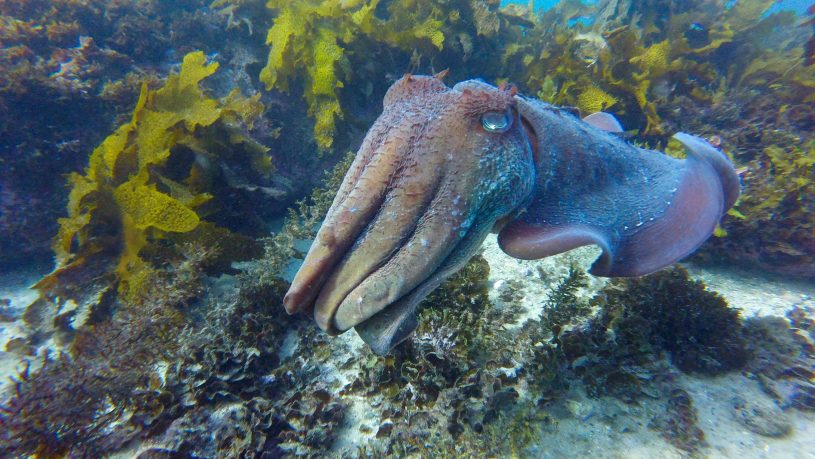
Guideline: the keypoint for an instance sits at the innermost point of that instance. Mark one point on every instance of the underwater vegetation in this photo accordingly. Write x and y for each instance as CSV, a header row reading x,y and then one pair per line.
x,y
563,305
310,33
149,180
672,312
103,389
164,314
70,71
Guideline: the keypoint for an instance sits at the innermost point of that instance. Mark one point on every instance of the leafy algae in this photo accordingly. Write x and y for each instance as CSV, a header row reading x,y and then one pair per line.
x,y
124,201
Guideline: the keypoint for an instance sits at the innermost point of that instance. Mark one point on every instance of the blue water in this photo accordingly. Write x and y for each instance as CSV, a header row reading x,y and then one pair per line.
x,y
539,5
799,6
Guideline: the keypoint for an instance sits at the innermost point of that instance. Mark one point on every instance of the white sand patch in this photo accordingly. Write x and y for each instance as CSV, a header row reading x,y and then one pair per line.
x,y
601,428
756,292
15,287
713,399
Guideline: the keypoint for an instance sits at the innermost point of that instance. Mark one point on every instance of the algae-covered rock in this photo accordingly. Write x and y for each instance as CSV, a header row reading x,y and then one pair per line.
x,y
783,359
761,416
678,423
671,311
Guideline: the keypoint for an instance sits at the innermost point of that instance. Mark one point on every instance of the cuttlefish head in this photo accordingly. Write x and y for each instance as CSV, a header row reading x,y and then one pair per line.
x,y
436,171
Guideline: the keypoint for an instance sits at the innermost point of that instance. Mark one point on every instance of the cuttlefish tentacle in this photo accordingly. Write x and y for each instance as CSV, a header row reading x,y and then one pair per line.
x,y
437,233
407,200
393,324
363,190
442,166
360,196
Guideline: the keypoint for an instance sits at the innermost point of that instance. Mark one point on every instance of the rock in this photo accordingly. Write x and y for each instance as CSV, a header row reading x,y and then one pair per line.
x,y
580,410
678,424
761,416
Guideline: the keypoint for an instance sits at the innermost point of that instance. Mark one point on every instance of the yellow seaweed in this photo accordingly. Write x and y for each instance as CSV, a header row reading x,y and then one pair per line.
x,y
310,39
123,191
594,99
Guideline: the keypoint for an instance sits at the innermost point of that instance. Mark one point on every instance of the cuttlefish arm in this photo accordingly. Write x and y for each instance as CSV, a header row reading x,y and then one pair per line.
x,y
434,173
442,167
645,210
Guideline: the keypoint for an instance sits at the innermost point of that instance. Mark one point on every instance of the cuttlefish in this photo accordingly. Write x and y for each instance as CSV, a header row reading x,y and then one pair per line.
x,y
443,167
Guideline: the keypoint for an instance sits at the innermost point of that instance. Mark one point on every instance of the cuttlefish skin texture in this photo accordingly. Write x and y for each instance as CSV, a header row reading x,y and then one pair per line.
x,y
441,167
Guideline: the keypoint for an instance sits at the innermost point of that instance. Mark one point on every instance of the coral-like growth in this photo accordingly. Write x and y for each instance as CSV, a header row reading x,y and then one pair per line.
x,y
236,397
670,311
104,390
61,408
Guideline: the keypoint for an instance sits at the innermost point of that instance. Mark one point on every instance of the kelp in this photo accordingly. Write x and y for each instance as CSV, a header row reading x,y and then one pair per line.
x,y
637,57
135,189
69,69
330,48
773,223
309,39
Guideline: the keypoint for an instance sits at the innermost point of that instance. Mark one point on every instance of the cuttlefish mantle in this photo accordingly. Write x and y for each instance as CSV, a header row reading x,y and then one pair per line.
x,y
441,167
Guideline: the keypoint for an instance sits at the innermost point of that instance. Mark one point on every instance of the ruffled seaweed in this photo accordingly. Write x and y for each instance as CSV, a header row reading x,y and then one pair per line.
x,y
133,194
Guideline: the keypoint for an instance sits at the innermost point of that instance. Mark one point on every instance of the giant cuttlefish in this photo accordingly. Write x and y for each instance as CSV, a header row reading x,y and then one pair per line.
x,y
442,167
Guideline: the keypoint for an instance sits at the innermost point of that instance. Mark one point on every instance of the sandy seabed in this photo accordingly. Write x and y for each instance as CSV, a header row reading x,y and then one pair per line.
x,y
584,427
609,428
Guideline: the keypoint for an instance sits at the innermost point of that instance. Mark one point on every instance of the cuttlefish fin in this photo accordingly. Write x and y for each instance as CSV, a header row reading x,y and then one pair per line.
x,y
645,210
604,121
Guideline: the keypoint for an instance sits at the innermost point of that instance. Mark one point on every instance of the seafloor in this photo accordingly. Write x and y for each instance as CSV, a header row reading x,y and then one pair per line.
x,y
737,414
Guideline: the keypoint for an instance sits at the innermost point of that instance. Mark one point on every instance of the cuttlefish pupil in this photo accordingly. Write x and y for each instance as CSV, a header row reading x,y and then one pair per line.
x,y
432,179
496,121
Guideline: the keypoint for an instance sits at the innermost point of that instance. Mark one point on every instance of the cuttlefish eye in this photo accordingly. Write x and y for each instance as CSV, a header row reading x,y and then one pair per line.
x,y
496,121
